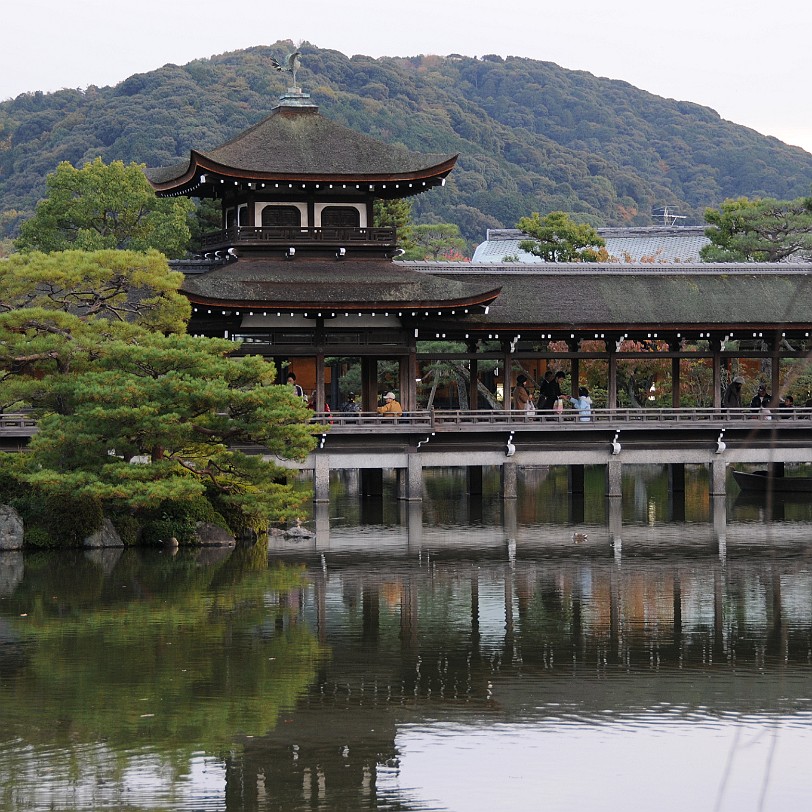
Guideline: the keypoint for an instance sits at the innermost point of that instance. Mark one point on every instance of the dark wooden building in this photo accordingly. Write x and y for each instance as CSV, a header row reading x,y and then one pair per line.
x,y
300,273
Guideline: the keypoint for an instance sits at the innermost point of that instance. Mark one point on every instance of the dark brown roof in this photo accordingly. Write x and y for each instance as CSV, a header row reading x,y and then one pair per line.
x,y
331,284
603,297
300,144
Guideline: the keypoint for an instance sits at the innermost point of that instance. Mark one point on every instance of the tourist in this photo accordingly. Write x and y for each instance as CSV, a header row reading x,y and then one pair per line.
x,y
732,398
390,407
349,405
522,400
761,399
554,398
583,403
786,408
296,388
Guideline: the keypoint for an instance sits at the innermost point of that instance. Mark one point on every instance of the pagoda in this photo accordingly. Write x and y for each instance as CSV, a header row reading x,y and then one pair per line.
x,y
299,271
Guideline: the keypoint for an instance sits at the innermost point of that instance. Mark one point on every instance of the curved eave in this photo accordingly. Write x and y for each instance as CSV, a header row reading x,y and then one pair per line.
x,y
428,307
200,164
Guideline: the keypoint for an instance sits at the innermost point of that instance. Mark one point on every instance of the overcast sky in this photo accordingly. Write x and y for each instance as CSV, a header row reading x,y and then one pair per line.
x,y
750,61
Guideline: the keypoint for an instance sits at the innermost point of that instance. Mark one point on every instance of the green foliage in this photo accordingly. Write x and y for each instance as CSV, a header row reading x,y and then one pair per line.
x,y
437,241
131,414
531,136
153,418
397,214
760,230
106,206
56,519
558,238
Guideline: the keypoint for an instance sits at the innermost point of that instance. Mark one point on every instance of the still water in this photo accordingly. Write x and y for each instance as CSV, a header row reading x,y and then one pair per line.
x,y
462,655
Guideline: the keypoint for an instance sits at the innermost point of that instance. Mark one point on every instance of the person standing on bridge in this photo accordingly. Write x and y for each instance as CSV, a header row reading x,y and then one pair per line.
x,y
554,397
583,403
732,398
761,400
390,408
522,400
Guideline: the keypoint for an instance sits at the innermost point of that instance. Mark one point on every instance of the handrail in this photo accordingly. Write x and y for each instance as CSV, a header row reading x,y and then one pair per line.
x,y
287,235
23,425
445,419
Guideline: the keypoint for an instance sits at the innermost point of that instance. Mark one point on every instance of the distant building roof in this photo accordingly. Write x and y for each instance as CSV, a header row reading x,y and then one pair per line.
x,y
650,244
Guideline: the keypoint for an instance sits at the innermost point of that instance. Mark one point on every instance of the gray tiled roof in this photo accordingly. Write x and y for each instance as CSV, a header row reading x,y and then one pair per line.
x,y
655,244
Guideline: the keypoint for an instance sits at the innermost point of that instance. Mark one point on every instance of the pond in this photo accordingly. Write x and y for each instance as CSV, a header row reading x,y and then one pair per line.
x,y
456,655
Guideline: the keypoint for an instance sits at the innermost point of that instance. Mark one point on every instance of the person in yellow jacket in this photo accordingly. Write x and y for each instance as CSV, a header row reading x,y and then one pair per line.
x,y
390,406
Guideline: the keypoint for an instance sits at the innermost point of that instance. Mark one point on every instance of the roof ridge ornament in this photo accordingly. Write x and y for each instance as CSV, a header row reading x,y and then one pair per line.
x,y
290,65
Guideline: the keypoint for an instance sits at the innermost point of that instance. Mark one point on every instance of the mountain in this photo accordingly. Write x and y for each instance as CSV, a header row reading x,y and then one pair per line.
x,y
531,135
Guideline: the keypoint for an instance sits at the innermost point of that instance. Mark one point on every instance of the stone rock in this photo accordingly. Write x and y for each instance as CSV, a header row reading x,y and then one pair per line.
x,y
105,536
11,529
211,535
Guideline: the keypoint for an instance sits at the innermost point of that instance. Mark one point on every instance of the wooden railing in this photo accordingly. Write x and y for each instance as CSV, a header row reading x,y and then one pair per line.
x,y
289,235
478,419
17,425
23,425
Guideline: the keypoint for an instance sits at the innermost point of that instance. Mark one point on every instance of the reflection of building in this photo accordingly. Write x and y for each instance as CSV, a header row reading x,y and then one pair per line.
x,y
300,273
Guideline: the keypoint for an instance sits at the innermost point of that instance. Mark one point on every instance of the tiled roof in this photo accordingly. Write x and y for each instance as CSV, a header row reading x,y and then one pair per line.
x,y
655,244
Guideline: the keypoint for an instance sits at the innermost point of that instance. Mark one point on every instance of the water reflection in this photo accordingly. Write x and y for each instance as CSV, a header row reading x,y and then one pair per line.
x,y
443,657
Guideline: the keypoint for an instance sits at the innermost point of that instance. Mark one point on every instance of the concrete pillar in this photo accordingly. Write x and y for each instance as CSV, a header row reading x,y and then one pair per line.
x,y
413,476
510,519
719,514
717,477
322,521
321,478
614,478
509,480
415,525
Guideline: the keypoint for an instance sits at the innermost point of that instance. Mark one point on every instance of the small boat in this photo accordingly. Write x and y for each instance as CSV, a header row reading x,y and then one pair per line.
x,y
761,482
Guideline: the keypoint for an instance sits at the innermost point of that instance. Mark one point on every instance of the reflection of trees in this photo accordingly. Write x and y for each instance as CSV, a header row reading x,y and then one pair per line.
x,y
163,653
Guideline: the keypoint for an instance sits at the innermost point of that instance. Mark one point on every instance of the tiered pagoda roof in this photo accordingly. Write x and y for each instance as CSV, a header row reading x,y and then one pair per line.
x,y
297,145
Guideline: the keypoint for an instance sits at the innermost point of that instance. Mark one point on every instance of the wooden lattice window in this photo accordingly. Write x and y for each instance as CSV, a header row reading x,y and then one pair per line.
x,y
285,216
340,217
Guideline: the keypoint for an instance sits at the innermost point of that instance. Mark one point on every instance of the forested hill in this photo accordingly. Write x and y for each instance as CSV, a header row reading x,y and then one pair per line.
x,y
531,136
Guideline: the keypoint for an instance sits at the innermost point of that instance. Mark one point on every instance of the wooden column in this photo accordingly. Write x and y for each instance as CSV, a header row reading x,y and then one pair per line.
x,y
716,361
369,384
675,346
320,381
473,376
507,377
408,378
775,389
573,345
611,383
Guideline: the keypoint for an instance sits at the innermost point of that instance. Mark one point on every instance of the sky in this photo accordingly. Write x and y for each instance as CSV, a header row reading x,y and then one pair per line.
x,y
749,61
